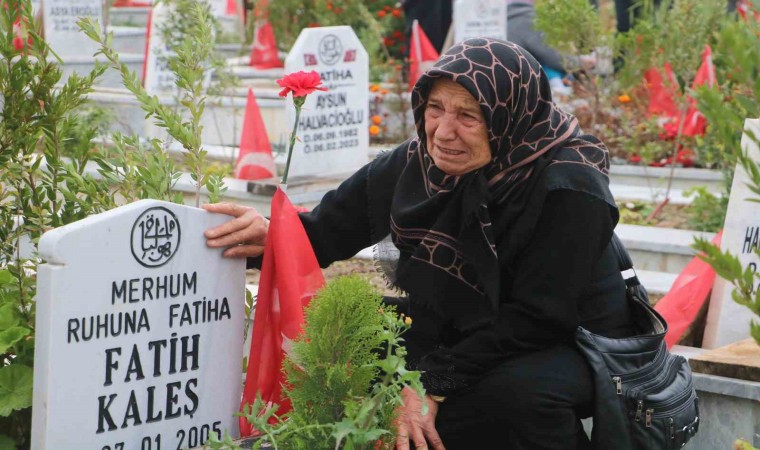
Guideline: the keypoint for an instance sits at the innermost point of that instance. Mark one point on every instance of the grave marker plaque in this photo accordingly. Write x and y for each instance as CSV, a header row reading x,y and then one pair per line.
x,y
727,321
480,18
333,127
61,31
139,332
157,77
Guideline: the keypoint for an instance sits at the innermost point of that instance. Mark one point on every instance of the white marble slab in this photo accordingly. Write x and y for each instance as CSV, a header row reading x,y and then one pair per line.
x,y
727,321
135,321
333,127
479,18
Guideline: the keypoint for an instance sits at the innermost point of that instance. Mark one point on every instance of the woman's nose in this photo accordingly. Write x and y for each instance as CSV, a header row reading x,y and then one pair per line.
x,y
446,129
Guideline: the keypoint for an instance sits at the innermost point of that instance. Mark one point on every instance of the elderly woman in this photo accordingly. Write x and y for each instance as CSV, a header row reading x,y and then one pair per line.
x,y
501,214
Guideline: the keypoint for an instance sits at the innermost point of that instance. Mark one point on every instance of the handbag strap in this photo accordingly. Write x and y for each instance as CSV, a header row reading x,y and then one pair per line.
x,y
624,262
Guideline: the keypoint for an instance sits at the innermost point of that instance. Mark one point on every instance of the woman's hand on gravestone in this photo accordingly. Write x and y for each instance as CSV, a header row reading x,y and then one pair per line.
x,y
244,235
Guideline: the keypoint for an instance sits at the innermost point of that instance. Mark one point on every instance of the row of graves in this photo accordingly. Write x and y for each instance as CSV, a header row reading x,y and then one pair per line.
x,y
333,129
141,328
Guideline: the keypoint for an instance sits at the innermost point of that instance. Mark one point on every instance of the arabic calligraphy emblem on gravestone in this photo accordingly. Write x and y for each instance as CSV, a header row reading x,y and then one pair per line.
x,y
330,49
155,237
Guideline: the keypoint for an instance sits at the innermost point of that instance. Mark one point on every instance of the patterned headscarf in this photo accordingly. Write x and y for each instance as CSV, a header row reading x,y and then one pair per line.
x,y
445,226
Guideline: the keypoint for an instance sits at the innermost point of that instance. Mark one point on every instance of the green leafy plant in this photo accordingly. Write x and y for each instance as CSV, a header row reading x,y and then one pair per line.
x,y
192,52
40,189
737,62
575,29
345,375
656,39
707,211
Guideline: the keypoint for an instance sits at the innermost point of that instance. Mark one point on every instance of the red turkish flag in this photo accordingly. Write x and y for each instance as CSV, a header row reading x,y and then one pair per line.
x,y
290,277
422,54
255,160
662,92
694,122
689,292
264,54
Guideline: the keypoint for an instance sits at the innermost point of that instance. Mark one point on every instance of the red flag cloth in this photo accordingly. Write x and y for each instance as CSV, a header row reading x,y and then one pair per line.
x,y
689,292
694,122
662,92
290,277
132,3
255,160
147,45
232,8
422,54
744,8
264,53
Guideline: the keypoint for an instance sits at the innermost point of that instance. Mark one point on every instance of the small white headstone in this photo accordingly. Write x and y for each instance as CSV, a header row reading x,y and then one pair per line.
x,y
333,128
139,332
727,321
157,77
480,18
61,31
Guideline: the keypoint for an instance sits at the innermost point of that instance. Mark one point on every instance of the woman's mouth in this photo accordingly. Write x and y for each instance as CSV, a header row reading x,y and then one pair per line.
x,y
450,152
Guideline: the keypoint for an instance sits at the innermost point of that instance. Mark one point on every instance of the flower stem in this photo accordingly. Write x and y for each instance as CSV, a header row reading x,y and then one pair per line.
x,y
292,144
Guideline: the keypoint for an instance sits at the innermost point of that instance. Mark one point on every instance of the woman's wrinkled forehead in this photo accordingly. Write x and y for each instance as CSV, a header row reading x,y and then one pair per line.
x,y
506,81
444,90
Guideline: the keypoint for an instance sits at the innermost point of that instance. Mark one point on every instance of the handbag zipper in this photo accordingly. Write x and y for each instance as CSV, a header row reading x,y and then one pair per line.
x,y
659,360
663,410
656,383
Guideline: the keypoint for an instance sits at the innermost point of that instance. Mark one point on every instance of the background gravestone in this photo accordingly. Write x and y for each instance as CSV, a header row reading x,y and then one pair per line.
x,y
727,321
139,332
334,125
480,18
157,77
61,31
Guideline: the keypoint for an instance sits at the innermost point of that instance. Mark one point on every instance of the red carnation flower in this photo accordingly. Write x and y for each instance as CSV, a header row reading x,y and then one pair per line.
x,y
300,84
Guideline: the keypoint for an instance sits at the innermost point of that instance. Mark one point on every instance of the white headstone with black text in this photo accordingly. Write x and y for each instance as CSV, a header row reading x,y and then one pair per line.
x,y
333,128
61,31
480,18
157,76
727,321
139,332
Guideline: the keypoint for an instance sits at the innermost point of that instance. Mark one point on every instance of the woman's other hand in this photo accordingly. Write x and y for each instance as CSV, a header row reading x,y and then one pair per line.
x,y
414,427
245,235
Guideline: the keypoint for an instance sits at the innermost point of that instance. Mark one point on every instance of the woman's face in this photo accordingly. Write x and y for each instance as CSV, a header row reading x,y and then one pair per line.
x,y
456,133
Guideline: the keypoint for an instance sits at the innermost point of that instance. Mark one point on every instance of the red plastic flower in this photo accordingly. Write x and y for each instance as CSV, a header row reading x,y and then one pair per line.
x,y
300,84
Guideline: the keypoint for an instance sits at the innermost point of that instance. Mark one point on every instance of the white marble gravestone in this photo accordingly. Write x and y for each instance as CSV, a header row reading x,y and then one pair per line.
x,y
727,321
157,77
334,125
480,18
61,31
139,332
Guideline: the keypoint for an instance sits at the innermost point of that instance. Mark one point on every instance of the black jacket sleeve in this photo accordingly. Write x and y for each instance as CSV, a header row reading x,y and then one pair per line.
x,y
356,214
541,291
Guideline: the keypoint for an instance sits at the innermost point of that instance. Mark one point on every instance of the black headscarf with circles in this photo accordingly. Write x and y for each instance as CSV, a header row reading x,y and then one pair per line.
x,y
447,228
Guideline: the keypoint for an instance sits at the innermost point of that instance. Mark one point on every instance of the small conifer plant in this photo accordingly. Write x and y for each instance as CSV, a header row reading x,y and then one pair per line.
x,y
345,374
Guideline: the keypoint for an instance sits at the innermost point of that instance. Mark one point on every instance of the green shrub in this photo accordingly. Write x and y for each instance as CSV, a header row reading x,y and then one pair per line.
x,y
345,374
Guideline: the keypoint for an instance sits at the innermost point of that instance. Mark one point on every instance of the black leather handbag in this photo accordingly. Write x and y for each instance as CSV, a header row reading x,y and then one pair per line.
x,y
644,397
